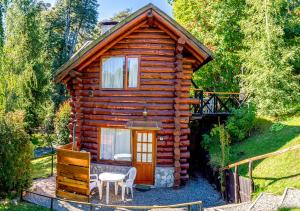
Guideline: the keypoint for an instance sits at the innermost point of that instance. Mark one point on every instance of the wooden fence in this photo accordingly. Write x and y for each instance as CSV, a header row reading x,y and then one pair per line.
x,y
239,189
73,174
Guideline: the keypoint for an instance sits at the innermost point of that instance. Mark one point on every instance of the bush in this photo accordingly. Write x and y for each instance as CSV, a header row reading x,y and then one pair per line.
x,y
217,142
61,121
241,122
15,153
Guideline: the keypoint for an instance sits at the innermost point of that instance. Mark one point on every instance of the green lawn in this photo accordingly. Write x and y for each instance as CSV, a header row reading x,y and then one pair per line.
x,y
275,173
21,206
42,167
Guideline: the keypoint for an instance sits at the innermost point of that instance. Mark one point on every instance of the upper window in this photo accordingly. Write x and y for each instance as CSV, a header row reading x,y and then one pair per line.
x,y
120,72
115,144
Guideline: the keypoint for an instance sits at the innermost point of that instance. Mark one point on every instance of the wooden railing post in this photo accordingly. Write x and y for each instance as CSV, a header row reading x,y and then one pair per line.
x,y
236,185
201,101
250,176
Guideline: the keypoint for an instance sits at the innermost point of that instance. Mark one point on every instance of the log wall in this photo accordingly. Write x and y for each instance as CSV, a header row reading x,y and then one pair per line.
x,y
165,80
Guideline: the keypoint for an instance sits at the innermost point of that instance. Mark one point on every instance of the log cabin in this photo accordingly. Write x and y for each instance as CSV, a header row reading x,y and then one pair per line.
x,y
130,97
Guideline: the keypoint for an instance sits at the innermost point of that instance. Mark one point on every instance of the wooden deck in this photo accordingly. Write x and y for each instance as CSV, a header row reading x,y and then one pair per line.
x,y
216,103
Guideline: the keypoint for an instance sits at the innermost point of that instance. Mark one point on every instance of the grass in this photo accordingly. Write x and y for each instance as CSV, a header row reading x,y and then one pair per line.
x,y
24,206
289,209
42,167
272,174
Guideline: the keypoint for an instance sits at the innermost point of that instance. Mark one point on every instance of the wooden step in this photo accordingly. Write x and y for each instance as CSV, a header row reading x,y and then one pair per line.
x,y
266,202
291,198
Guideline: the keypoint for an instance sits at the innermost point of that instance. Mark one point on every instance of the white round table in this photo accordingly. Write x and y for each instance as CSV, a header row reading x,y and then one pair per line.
x,y
109,177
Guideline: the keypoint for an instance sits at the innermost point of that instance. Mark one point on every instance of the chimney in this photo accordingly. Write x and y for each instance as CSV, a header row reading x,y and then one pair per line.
x,y
107,25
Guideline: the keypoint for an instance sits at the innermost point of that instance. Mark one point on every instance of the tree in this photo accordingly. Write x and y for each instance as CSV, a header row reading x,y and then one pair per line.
x,y
271,56
217,25
121,15
24,67
67,26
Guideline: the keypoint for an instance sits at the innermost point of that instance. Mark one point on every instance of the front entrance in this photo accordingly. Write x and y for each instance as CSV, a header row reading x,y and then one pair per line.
x,y
144,148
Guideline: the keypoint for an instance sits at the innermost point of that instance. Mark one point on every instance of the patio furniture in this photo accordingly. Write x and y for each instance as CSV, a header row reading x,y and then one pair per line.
x,y
93,181
128,183
109,177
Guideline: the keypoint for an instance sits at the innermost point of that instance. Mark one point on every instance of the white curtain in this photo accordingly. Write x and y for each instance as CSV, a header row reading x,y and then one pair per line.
x,y
107,143
133,68
113,72
115,144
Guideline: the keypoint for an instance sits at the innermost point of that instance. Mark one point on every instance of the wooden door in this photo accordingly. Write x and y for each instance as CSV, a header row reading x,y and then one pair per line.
x,y
144,156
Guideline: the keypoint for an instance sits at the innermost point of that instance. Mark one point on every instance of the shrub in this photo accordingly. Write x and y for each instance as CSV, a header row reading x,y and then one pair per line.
x,y
241,122
15,153
217,142
61,121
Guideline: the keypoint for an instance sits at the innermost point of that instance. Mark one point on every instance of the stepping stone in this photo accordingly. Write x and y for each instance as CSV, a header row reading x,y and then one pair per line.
x,y
234,207
266,202
291,198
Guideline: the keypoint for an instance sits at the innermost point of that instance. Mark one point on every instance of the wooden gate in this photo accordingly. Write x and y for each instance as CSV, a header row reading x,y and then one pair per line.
x,y
73,174
243,185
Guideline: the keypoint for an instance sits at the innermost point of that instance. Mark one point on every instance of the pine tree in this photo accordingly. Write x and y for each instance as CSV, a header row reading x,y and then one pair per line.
x,y
269,56
217,25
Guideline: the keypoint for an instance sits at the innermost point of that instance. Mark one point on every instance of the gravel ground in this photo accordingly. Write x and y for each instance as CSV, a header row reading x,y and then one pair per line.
x,y
291,198
197,189
266,202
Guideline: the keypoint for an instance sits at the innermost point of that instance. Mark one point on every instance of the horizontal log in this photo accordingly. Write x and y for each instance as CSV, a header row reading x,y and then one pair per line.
x,y
158,58
157,64
149,40
151,52
165,149
144,35
184,143
184,165
129,99
157,76
164,155
133,45
157,70
117,106
137,112
165,161
127,93
157,81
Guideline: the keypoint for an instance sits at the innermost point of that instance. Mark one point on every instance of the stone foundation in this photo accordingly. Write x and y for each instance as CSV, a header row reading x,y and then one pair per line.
x,y
97,168
164,176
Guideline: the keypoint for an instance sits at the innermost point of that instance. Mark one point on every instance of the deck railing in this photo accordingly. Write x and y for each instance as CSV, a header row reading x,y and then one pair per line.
x,y
216,103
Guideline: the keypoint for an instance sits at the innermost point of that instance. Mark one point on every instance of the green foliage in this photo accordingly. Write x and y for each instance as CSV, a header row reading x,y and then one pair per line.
x,y
121,15
241,122
272,174
24,72
41,167
62,119
24,206
15,153
217,143
276,127
271,56
217,25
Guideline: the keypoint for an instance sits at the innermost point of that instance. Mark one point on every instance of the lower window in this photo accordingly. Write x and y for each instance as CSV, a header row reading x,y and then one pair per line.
x,y
115,144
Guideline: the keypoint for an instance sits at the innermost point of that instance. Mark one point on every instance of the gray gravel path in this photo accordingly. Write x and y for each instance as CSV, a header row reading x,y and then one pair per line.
x,y
197,189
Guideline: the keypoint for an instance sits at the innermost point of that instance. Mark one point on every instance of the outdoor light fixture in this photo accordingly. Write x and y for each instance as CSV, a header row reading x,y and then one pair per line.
x,y
145,113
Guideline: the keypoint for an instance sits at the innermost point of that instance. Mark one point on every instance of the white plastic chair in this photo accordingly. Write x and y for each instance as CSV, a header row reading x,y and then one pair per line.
x,y
128,183
93,181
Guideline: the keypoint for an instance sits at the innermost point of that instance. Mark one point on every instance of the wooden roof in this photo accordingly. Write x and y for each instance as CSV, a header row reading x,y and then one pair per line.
x,y
94,49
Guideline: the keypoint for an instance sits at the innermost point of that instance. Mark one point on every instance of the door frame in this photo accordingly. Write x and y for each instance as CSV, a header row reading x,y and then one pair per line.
x,y
154,149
